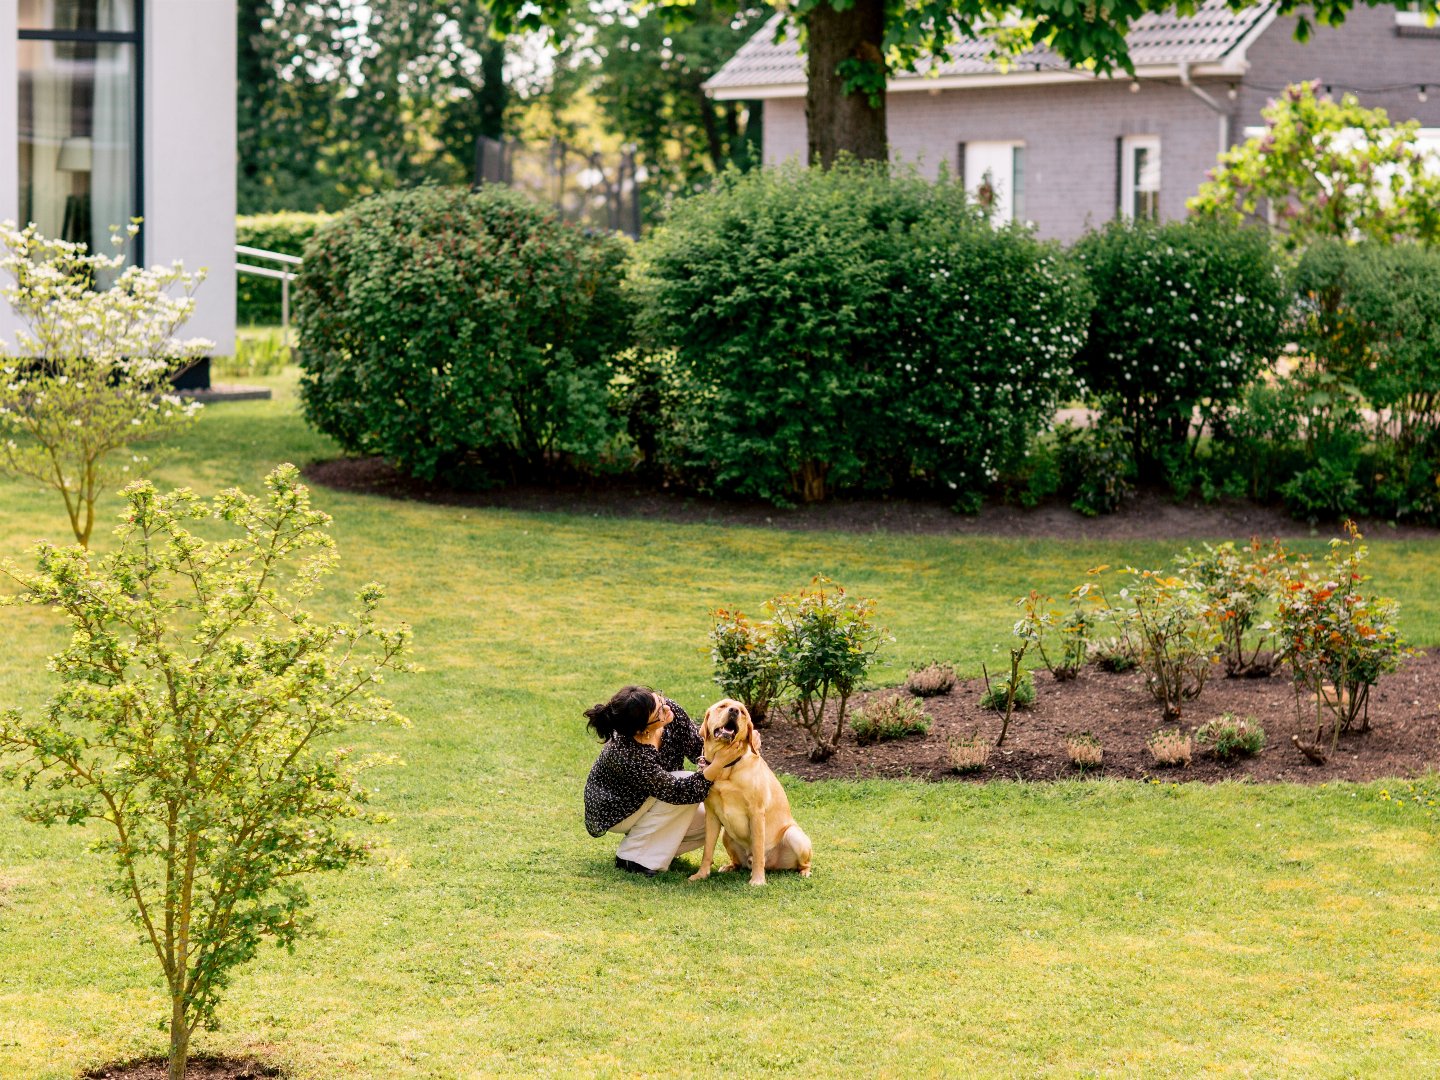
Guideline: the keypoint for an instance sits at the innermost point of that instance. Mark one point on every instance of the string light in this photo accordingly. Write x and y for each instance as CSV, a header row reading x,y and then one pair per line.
x,y
1422,96
1233,92
1134,86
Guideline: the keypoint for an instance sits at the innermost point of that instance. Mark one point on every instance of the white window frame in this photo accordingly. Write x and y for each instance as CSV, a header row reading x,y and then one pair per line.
x,y
1129,144
1409,16
1006,187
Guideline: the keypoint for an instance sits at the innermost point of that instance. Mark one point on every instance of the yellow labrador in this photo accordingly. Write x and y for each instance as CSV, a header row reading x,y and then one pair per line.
x,y
747,801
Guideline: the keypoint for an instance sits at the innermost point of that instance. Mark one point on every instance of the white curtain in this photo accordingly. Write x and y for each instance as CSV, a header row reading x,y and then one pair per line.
x,y
112,139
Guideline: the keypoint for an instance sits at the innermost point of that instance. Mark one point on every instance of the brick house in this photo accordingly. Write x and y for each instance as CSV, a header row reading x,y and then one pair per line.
x,y
1064,149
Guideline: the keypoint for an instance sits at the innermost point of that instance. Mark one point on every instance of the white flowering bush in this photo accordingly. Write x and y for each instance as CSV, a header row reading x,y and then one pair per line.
x,y
859,328
1185,315
88,378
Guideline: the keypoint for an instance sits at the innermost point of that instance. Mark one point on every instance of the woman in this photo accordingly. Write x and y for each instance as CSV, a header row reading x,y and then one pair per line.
x,y
637,787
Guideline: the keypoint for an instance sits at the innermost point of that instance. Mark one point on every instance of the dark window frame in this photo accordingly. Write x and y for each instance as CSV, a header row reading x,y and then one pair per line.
x,y
135,37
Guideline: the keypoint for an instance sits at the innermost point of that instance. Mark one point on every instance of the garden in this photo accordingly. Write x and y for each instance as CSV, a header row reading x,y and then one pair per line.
x,y
241,679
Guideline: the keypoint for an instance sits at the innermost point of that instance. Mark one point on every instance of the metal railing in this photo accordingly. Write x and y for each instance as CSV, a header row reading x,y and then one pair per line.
x,y
285,277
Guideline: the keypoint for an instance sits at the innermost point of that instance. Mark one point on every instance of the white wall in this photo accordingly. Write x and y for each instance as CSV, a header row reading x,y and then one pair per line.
x,y
9,133
190,152
189,149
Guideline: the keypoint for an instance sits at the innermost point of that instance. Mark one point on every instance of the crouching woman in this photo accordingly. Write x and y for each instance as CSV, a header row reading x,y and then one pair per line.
x,y
637,785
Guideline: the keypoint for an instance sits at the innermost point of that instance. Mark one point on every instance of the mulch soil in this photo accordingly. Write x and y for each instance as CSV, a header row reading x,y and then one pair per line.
x,y
1404,739
1147,516
197,1068
1115,708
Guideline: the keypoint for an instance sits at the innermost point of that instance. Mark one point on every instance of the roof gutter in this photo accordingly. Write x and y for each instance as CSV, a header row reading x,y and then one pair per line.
x,y
979,80
1220,110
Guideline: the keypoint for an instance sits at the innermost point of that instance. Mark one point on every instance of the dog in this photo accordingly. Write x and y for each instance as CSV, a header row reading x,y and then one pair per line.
x,y
747,801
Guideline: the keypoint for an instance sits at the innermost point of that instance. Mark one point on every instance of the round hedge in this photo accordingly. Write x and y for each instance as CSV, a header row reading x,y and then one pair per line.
x,y
461,334
850,329
1186,314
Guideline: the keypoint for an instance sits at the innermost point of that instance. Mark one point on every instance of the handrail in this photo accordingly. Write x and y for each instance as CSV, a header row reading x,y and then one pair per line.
x,y
283,276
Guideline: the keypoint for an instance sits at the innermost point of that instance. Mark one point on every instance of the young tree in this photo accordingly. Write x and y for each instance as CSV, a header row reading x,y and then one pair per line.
x,y
90,375
1327,169
195,720
855,45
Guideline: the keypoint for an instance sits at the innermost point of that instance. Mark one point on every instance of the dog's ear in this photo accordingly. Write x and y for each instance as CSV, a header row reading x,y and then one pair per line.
x,y
754,739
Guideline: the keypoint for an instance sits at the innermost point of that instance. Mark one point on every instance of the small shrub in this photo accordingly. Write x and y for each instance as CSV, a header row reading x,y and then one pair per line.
x,y
1084,751
747,665
1175,630
932,680
891,716
968,753
1334,635
1114,654
1068,632
1229,737
197,724
1238,583
89,377
825,644
465,335
1170,747
993,697
1186,314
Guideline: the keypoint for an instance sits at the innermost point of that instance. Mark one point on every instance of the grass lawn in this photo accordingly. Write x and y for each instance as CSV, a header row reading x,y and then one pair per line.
x,y
1090,928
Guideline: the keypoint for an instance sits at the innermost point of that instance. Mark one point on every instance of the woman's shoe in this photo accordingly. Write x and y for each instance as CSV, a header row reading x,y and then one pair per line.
x,y
633,867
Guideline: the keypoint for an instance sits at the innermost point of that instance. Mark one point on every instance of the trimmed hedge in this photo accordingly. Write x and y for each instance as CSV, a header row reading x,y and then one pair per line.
x,y
257,299
851,329
465,335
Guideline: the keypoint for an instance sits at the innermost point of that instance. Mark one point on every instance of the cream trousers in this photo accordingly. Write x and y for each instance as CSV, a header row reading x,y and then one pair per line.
x,y
659,831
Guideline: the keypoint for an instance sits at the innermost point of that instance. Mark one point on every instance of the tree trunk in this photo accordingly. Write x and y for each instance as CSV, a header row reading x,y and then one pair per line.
x,y
838,122
179,1037
494,94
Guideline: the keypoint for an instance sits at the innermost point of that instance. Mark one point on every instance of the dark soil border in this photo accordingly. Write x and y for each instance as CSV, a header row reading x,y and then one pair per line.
x,y
199,1067
1147,516
1404,740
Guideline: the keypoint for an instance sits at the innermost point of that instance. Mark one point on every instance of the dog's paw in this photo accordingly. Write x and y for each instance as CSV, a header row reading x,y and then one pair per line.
x,y
805,872
699,875
757,882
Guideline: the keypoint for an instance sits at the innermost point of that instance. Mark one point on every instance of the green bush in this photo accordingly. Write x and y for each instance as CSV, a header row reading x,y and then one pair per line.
x,y
852,329
747,666
1370,319
993,696
1229,737
463,335
891,716
1185,315
257,299
825,645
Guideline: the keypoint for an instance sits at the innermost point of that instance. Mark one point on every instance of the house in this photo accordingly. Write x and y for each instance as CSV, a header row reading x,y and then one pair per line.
x,y
1065,149
114,109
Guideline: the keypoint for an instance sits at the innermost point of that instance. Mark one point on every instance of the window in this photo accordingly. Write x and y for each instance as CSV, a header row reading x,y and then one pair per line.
x,y
80,117
1409,14
994,174
1140,177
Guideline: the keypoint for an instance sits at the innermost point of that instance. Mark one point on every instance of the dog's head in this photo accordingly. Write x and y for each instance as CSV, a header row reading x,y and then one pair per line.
x,y
728,722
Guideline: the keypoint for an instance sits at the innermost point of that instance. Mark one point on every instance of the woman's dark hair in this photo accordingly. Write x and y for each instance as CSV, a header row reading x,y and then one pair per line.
x,y
627,713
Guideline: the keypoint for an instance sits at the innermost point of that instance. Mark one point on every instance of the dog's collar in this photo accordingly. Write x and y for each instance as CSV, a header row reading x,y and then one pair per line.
x,y
732,764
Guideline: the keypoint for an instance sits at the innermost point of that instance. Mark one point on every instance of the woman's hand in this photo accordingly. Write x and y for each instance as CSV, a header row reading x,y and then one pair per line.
x,y
732,753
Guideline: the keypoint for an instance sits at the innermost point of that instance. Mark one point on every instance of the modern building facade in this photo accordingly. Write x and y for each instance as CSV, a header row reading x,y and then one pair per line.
x,y
1066,149
117,109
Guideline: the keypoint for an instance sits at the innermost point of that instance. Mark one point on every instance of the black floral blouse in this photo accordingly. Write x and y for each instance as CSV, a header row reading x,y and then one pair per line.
x,y
627,773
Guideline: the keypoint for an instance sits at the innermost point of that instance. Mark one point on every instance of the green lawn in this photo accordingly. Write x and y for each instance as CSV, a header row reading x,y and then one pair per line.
x,y
1091,928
